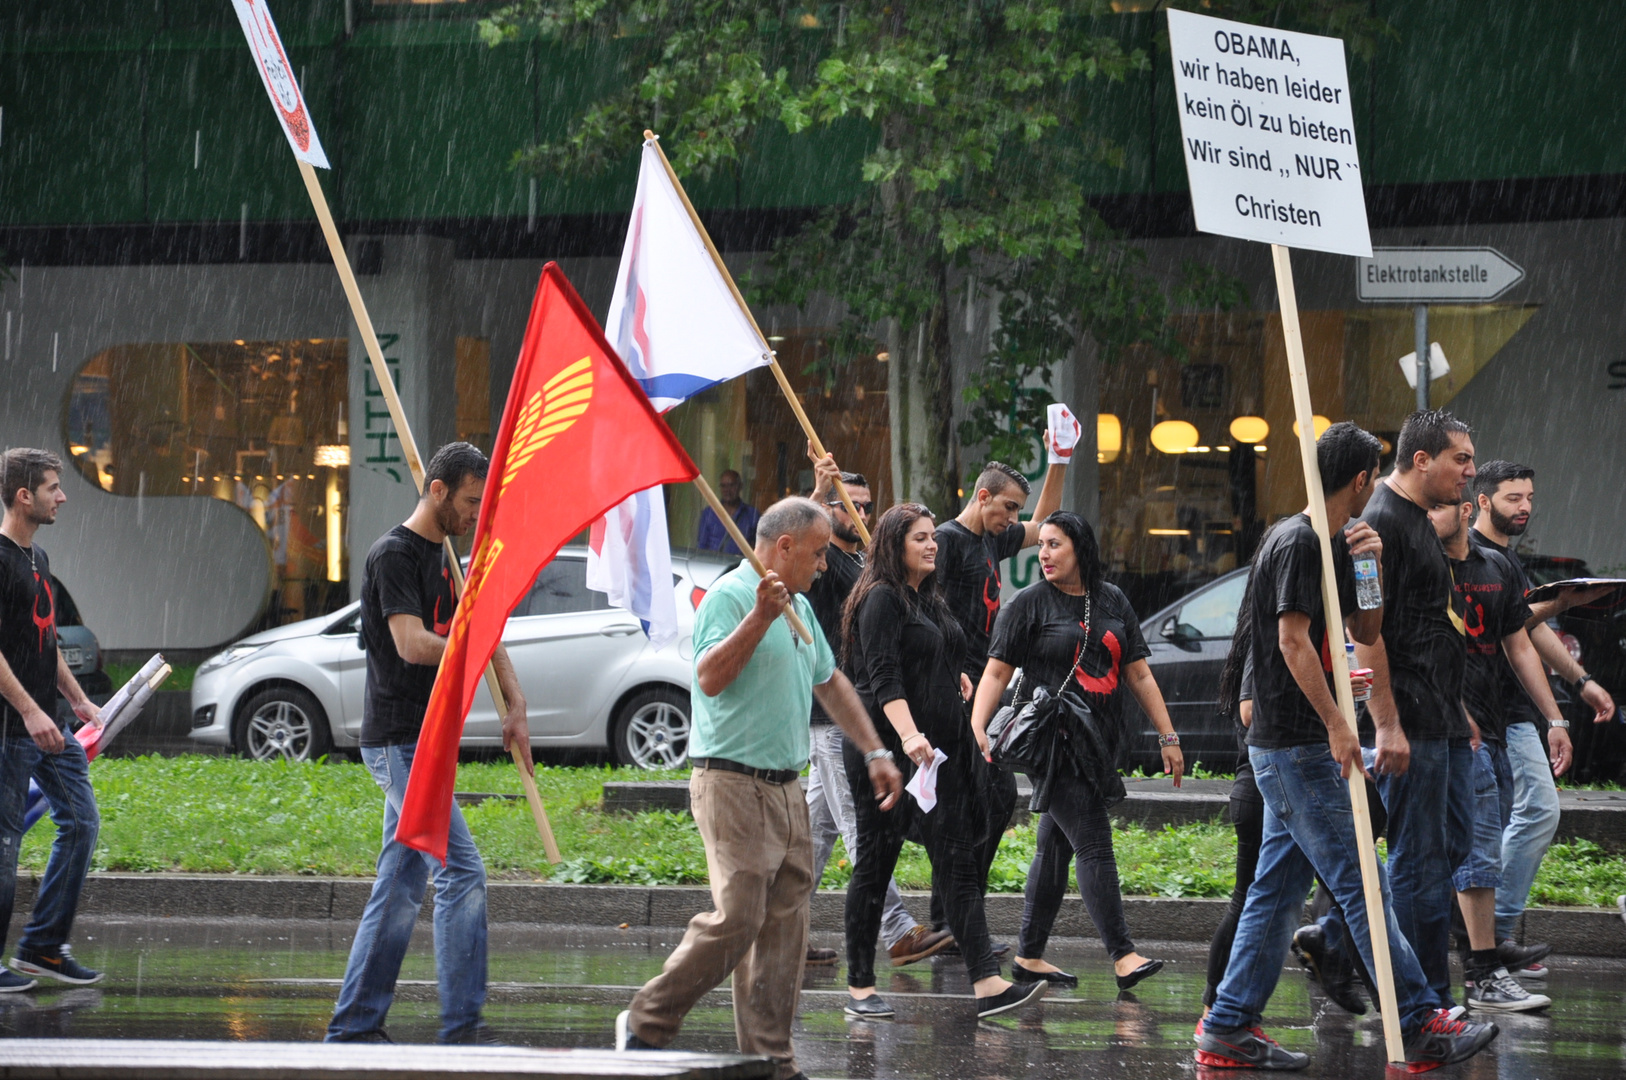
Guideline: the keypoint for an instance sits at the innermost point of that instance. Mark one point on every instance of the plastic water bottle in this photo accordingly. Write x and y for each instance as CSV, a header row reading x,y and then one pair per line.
x,y
1368,593
1366,672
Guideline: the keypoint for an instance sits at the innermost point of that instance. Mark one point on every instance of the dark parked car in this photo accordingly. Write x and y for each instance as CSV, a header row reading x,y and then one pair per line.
x,y
1596,638
1189,640
79,647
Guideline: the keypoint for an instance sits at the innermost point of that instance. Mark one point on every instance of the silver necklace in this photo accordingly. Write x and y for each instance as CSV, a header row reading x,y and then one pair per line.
x,y
29,551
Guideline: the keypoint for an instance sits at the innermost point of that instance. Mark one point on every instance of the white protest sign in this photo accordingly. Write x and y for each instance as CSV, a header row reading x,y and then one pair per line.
x,y
1269,134
278,76
1438,275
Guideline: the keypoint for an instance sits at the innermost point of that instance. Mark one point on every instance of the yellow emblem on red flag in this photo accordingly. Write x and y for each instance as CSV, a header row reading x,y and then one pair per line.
x,y
549,413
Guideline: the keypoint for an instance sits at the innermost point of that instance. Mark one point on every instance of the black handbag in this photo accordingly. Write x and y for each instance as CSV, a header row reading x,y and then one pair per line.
x,y
1023,739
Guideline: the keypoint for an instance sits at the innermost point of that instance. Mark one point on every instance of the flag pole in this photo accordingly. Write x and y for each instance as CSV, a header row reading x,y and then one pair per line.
x,y
1375,917
773,360
738,537
409,449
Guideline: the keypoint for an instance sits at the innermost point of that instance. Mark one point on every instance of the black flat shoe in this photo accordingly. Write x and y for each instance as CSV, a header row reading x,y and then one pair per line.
x,y
1020,974
869,1008
1017,996
1145,971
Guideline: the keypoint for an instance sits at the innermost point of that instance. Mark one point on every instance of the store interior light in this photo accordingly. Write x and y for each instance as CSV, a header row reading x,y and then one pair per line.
x,y
1249,429
1321,425
1259,448
1168,532
1109,437
1174,436
333,456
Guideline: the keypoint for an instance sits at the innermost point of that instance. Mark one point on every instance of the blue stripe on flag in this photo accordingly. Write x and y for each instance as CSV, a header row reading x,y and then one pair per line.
x,y
676,386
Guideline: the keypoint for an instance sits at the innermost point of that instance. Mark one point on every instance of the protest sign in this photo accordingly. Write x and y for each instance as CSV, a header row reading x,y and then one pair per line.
x,y
271,61
1268,134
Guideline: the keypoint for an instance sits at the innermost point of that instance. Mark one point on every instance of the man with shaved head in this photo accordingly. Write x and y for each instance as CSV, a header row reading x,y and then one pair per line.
x,y
754,684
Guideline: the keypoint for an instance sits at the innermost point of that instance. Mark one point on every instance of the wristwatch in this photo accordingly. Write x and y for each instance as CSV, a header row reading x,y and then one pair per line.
x,y
1582,681
1565,724
875,755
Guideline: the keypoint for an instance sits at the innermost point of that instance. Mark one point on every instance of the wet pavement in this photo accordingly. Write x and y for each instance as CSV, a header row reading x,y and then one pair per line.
x,y
562,986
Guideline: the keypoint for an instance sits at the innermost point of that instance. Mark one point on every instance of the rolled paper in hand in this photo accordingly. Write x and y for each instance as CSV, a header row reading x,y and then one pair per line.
x,y
1065,431
121,697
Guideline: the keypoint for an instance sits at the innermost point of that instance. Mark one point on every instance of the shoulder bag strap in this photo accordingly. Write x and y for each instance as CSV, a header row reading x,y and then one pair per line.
x,y
1079,655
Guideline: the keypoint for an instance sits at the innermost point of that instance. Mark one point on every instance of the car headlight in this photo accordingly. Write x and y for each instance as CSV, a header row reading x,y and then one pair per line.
x,y
228,656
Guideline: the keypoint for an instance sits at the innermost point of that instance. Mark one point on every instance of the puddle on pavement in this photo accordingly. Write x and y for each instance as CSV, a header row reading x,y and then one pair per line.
x,y
259,980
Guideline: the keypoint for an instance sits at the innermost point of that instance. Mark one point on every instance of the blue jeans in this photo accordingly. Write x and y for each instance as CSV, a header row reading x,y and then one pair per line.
x,y
1493,803
392,911
65,779
1431,826
1530,826
1309,831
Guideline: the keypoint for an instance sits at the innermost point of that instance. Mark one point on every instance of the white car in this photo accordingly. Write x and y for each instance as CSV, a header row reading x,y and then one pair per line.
x,y
590,678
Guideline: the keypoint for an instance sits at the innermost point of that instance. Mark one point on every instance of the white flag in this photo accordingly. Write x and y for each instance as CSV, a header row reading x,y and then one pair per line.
x,y
679,330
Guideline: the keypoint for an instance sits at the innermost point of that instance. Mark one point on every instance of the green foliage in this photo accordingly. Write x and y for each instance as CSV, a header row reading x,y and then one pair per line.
x,y
1579,873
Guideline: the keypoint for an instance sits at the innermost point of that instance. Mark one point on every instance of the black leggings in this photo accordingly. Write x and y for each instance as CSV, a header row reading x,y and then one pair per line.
x,y
1248,818
954,835
1001,799
1076,823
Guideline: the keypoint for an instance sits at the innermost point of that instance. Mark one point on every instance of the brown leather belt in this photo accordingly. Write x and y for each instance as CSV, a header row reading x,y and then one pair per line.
x,y
772,776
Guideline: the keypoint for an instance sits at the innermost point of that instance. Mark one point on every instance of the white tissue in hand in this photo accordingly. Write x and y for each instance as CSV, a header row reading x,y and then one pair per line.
x,y
1065,431
923,785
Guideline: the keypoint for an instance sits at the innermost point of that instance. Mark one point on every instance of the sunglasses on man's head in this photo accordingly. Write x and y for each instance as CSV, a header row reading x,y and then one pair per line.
x,y
861,507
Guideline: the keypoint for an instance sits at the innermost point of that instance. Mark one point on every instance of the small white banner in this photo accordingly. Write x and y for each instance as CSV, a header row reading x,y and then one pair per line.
x,y
1441,275
1268,134
271,60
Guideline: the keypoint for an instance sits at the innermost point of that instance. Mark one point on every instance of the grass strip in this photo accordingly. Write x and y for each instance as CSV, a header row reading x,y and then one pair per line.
x,y
197,814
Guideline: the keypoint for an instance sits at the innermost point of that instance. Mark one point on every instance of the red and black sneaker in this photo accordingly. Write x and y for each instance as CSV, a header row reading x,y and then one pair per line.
x,y
1443,1040
1246,1048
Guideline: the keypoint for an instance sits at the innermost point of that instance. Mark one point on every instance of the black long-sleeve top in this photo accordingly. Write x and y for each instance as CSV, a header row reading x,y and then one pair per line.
x,y
899,651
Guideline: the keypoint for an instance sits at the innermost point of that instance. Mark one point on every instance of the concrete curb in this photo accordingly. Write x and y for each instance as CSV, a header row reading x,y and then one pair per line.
x,y
1573,931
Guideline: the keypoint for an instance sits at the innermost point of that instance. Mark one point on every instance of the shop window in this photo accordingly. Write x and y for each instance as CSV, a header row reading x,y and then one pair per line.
x,y
259,424
472,376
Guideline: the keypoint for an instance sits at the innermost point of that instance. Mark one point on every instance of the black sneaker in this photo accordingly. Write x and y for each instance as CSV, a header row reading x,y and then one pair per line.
x,y
873,1007
476,1036
1497,991
1444,1040
378,1035
57,963
13,983
624,1037
1335,978
1516,957
1016,996
1246,1048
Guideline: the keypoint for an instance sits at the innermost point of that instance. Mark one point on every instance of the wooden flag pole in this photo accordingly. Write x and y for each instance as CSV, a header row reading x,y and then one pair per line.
x,y
738,537
409,449
1375,916
773,361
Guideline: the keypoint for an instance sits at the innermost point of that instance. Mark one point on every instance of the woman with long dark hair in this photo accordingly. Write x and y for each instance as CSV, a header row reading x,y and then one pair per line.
x,y
1075,632
903,650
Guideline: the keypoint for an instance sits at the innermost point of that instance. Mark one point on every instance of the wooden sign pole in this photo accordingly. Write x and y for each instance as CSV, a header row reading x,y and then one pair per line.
x,y
1378,923
409,449
773,362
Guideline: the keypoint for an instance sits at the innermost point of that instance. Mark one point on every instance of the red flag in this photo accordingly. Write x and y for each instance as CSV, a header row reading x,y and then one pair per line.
x,y
578,436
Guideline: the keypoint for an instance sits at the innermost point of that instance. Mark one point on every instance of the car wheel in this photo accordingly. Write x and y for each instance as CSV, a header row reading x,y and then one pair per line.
x,y
282,722
651,730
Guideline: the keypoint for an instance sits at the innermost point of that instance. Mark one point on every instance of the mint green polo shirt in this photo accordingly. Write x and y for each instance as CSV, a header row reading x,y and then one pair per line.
x,y
759,719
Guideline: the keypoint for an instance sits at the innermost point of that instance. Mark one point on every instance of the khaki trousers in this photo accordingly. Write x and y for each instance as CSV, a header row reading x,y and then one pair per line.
x,y
759,854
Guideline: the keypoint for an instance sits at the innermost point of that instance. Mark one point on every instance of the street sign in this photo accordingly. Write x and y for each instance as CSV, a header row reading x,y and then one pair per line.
x,y
1269,134
1435,275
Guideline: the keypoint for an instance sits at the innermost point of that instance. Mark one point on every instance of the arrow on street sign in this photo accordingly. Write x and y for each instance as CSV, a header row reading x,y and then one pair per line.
x,y
1435,275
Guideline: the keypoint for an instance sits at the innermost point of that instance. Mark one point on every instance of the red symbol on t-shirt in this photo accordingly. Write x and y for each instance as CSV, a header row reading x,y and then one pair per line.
x,y
1103,684
44,622
1473,616
990,600
443,628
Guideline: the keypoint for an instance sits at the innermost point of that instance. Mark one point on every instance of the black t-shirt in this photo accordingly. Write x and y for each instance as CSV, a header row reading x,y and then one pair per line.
x,y
1517,708
828,596
27,630
1423,632
899,651
1287,577
1494,607
968,571
1040,630
405,575
1243,787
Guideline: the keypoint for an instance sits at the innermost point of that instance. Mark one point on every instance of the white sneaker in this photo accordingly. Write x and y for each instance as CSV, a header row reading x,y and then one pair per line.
x,y
1501,992
623,1029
